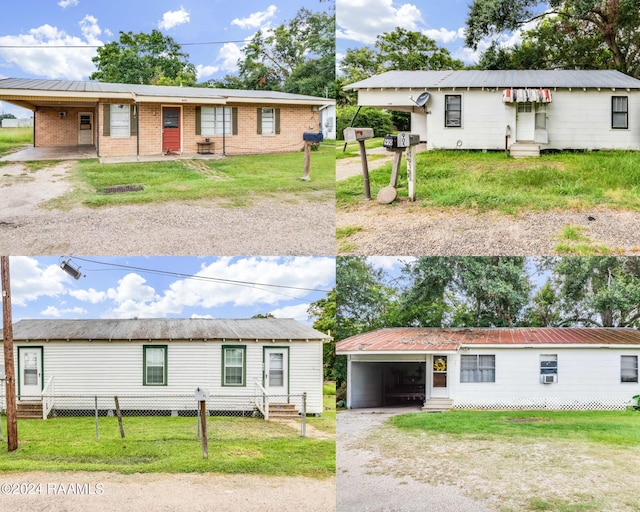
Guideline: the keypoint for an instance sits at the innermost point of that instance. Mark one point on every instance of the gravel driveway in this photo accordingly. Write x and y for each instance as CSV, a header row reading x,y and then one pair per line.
x,y
69,492
368,482
284,226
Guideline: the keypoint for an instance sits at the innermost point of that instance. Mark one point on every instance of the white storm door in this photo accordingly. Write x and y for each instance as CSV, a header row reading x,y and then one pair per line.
x,y
85,129
30,363
276,373
525,122
440,377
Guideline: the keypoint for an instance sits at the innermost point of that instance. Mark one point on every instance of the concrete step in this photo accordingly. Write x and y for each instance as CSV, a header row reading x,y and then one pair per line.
x,y
524,150
437,404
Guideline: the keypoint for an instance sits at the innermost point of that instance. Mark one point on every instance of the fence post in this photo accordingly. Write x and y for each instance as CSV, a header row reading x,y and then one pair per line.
x,y
115,398
97,432
203,421
303,415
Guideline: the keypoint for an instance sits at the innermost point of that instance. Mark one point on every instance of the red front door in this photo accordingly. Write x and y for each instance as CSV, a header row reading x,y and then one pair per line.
x,y
170,129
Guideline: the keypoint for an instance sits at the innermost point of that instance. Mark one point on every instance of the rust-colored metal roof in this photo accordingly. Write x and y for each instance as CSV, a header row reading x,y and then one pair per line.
x,y
400,339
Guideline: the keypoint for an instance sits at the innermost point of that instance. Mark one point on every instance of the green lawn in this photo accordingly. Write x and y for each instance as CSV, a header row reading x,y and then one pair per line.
x,y
490,181
620,428
327,421
167,444
237,180
11,138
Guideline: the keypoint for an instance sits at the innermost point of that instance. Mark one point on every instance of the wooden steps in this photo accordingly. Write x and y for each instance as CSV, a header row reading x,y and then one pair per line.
x,y
524,150
283,412
437,404
29,410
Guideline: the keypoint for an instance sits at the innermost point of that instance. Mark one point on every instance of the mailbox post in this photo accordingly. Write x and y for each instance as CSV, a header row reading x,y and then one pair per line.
x,y
410,141
309,139
359,135
400,143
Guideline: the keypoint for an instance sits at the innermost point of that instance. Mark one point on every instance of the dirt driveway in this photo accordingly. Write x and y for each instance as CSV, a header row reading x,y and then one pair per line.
x,y
368,480
381,468
283,226
109,492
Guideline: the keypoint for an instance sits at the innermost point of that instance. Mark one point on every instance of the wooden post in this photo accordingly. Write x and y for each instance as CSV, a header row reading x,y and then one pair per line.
x,y
307,161
203,424
365,170
10,382
411,172
303,415
97,431
115,398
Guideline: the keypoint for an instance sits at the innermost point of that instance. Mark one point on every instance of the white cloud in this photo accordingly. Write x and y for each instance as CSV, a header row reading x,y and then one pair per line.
x,y
443,35
66,3
131,287
172,19
91,295
29,281
364,20
257,19
57,313
298,312
30,52
389,262
206,71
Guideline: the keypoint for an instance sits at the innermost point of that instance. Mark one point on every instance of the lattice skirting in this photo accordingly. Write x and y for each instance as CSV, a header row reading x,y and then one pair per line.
x,y
575,404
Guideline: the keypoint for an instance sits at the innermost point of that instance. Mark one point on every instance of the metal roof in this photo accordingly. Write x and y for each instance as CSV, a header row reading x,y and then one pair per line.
x,y
400,339
166,329
499,79
34,85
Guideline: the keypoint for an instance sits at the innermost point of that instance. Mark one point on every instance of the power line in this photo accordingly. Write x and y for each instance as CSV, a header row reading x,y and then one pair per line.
x,y
24,46
200,278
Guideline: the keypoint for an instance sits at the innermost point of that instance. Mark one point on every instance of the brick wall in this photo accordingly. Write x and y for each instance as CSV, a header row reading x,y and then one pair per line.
x,y
55,130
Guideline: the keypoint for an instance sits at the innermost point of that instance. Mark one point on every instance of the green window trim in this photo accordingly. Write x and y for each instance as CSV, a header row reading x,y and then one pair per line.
x,y
223,378
145,375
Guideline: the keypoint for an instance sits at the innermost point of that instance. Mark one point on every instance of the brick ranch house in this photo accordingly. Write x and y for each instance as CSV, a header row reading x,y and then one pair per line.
x,y
130,120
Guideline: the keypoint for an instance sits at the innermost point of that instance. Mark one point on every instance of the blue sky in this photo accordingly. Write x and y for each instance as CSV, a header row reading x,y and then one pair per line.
x,y
40,289
91,23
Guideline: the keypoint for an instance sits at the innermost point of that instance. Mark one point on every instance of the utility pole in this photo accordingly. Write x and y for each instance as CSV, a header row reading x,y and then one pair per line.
x,y
7,331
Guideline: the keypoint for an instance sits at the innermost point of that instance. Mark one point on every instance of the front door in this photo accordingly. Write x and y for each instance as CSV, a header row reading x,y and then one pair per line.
x,y
171,129
85,129
30,372
525,122
276,373
440,377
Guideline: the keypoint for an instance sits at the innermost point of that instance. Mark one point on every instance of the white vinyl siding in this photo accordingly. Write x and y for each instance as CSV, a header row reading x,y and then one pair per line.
x,y
216,121
478,368
120,121
628,368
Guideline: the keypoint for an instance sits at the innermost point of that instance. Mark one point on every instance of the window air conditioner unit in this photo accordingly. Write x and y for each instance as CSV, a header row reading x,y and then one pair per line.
x,y
548,379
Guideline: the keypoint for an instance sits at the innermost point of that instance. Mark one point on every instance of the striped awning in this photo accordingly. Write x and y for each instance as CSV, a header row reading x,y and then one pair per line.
x,y
526,96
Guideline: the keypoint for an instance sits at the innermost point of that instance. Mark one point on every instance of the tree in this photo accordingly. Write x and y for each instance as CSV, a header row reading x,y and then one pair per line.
x,y
6,116
298,56
380,120
324,311
585,34
598,291
144,59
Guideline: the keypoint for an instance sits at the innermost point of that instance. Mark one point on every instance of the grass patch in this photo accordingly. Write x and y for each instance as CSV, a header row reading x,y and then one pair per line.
x,y
347,231
12,138
327,421
489,181
586,504
620,428
36,165
168,445
574,233
329,388
237,179
583,249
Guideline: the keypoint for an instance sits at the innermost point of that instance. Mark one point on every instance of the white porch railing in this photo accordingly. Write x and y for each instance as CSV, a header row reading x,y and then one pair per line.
x,y
262,400
48,393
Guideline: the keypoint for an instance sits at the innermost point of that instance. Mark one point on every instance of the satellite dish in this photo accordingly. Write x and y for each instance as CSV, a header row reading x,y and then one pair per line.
x,y
423,99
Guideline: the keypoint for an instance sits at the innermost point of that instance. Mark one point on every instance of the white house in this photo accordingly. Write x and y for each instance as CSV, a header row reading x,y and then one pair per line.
x,y
527,368
558,109
328,121
146,357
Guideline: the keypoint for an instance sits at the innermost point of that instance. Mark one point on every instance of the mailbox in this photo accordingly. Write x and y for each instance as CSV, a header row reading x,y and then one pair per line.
x,y
201,394
406,139
312,137
357,134
390,141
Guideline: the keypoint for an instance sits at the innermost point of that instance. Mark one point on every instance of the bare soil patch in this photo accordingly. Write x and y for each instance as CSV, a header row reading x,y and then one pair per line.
x,y
165,492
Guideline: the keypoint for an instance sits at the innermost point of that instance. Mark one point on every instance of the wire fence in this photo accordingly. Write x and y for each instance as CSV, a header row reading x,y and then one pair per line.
x,y
168,414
